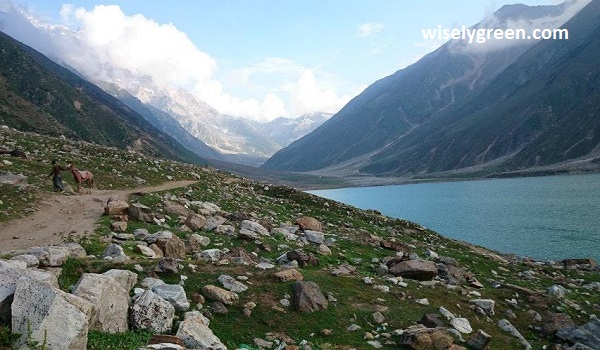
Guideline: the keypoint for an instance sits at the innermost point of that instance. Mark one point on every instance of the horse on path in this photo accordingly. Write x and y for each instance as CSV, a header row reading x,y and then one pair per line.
x,y
81,176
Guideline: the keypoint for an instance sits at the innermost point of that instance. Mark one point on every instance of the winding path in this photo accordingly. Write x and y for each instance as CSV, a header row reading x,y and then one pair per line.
x,y
61,215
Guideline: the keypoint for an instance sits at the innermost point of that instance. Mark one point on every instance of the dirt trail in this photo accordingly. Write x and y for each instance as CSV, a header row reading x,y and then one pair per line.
x,y
61,215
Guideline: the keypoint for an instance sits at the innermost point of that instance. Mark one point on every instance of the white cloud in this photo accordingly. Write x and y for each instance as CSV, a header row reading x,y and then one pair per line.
x,y
368,29
310,96
105,44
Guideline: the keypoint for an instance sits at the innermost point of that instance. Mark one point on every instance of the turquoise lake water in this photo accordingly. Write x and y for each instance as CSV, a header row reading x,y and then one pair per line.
x,y
548,218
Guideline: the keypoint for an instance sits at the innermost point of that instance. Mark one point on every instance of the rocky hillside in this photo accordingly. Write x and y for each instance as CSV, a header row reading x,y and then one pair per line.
x,y
38,95
230,263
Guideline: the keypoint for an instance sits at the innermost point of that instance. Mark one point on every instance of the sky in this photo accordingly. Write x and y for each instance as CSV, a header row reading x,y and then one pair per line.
x,y
259,59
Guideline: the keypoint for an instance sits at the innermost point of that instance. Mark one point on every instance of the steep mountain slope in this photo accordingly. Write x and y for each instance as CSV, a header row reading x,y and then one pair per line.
x,y
284,131
39,95
542,110
164,122
403,102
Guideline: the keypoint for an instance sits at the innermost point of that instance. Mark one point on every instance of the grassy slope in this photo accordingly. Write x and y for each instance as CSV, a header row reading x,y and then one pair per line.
x,y
355,230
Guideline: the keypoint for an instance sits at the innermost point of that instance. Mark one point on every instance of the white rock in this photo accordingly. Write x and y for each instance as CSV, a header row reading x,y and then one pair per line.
x,y
126,278
195,334
462,325
110,299
231,284
151,312
42,313
173,293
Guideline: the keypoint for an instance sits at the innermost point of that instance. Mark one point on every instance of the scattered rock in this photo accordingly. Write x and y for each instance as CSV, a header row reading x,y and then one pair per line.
x,y
486,305
174,294
462,325
126,279
231,284
195,334
195,222
151,312
108,297
587,334
309,223
115,253
506,326
479,340
555,321
308,297
289,275
219,294
415,269
44,314
116,207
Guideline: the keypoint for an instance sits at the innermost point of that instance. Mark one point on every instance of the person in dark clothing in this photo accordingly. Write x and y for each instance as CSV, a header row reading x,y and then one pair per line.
x,y
56,179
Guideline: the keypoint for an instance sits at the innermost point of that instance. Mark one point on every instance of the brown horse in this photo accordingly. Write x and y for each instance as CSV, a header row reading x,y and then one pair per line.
x,y
81,176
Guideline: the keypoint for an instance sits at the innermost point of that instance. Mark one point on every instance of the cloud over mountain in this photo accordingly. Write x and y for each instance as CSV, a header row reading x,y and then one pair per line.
x,y
105,44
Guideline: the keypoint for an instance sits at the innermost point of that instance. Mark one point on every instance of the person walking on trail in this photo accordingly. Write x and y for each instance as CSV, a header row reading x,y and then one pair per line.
x,y
56,179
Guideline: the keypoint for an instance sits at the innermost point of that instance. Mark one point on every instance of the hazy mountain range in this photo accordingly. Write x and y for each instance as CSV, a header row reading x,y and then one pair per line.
x,y
498,107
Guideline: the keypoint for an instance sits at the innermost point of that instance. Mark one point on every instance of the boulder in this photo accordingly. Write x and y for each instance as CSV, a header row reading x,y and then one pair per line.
x,y
127,279
140,212
195,222
115,253
453,275
227,230
51,256
212,222
209,255
555,321
479,340
28,259
174,294
8,283
307,297
462,325
177,209
166,265
254,228
43,314
119,226
172,248
314,236
197,242
421,338
506,326
309,223
289,275
396,246
219,294
206,208
195,334
486,305
109,298
116,208
431,321
231,284
415,269
151,312
145,251
587,334
302,258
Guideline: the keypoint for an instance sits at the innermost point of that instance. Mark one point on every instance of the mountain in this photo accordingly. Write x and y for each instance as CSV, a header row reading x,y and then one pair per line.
x,y
414,106
38,95
542,110
284,131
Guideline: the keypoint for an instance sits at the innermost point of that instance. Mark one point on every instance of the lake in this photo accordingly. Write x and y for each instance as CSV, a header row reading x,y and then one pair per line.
x,y
548,218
